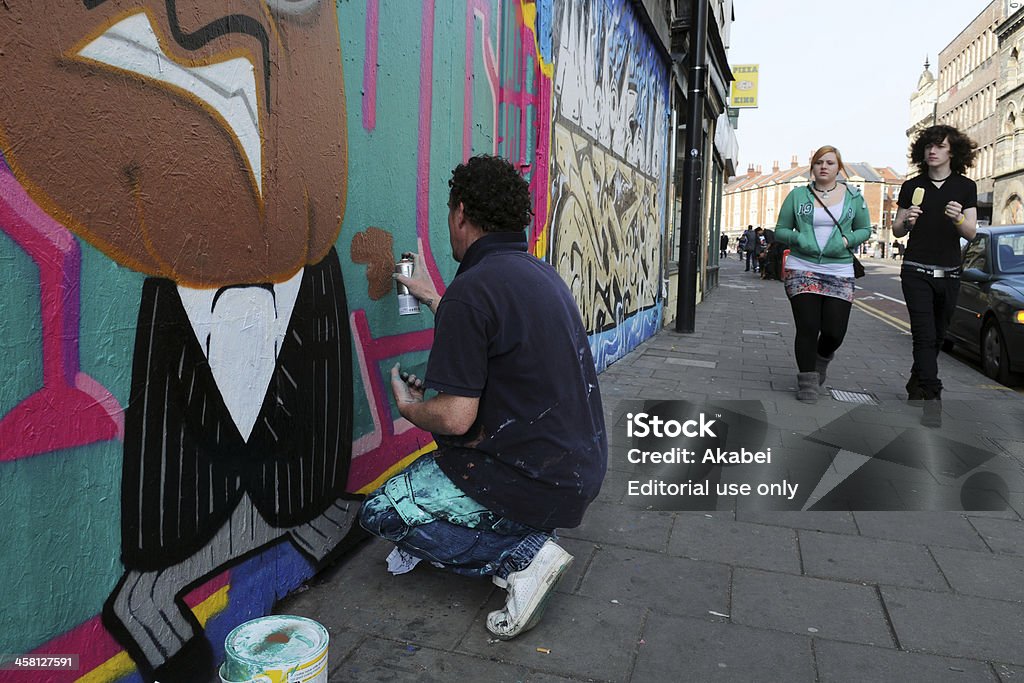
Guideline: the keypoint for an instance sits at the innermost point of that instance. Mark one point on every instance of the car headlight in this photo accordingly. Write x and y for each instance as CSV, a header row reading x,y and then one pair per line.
x,y
1018,317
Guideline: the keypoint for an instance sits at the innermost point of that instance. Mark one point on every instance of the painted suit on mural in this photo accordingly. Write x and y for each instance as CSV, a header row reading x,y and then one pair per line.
x,y
202,143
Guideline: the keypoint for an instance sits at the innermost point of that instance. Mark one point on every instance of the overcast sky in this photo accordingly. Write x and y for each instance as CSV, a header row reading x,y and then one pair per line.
x,y
838,74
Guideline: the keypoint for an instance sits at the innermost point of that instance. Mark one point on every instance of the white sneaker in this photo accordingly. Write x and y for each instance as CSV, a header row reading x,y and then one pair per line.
x,y
528,591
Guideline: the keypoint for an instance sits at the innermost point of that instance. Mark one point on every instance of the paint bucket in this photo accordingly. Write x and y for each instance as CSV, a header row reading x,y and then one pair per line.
x,y
276,649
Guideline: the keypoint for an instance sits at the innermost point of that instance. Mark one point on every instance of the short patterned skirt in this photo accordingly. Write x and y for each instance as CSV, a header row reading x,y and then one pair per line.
x,y
809,282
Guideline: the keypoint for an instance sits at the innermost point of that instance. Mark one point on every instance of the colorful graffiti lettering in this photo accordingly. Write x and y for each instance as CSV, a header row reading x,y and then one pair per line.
x,y
608,166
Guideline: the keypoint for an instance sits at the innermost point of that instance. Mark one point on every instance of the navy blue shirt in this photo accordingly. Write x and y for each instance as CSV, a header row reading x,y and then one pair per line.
x,y
508,331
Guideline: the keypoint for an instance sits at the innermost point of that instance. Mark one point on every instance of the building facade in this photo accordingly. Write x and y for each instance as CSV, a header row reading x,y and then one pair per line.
x,y
967,94
755,198
923,102
1008,199
719,147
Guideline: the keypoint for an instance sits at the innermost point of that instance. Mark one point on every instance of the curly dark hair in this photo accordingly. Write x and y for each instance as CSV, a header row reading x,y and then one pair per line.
x,y
494,196
961,148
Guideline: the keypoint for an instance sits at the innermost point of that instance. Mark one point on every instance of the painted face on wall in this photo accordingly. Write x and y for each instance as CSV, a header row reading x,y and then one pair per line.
x,y
199,140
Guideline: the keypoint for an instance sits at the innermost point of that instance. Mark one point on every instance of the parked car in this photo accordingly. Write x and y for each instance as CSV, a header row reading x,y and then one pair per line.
x,y
989,316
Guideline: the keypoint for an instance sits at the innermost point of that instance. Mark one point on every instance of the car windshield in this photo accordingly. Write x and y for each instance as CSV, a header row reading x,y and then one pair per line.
x,y
1010,252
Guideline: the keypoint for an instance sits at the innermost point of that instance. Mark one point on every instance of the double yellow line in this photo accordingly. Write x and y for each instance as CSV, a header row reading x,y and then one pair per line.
x,y
883,316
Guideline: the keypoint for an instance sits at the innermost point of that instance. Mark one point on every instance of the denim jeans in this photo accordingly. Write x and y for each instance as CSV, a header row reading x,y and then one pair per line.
x,y
931,303
422,512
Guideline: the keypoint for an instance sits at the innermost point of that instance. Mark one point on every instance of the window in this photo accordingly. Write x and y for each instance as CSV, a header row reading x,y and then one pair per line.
x,y
1013,212
1010,252
974,257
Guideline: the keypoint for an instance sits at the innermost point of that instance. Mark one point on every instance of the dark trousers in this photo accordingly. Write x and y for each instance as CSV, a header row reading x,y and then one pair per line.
x,y
821,323
931,302
751,258
769,267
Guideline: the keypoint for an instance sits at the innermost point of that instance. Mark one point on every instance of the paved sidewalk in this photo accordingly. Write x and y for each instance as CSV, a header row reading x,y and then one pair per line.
x,y
734,593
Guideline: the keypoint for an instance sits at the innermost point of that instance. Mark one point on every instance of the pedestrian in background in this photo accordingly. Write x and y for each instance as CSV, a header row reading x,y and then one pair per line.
x,y
768,271
759,249
820,223
930,273
750,246
723,245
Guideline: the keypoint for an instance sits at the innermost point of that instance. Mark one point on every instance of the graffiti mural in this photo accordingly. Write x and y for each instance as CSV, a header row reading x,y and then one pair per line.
x,y
608,177
203,313
604,209
194,156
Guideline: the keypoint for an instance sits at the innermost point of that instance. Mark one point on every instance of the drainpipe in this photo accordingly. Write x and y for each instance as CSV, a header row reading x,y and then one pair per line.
x,y
693,165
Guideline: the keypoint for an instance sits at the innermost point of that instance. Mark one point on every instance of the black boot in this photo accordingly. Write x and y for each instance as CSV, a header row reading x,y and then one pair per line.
x,y
932,405
914,392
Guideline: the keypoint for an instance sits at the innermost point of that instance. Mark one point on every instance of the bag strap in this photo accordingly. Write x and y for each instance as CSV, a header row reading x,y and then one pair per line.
x,y
832,217
826,208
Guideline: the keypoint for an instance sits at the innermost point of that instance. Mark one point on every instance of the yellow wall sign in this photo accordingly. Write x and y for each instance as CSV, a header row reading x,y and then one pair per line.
x,y
744,87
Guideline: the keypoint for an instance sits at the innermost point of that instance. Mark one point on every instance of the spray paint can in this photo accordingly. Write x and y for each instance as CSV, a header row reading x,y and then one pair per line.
x,y
407,303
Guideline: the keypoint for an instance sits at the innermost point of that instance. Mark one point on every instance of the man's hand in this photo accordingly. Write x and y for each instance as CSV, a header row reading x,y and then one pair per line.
x,y
905,220
954,212
420,285
406,388
442,414
913,213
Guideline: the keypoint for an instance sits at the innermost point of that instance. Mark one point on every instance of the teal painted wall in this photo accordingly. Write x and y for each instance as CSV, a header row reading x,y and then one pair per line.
x,y
452,79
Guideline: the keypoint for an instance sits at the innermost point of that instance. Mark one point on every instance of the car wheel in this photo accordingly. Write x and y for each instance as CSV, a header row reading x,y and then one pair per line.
x,y
995,361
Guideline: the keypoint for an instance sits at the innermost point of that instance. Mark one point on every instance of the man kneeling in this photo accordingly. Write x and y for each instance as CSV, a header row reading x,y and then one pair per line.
x,y
517,415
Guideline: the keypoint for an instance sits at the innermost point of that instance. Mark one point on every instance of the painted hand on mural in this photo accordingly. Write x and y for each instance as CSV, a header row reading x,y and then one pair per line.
x,y
191,131
373,247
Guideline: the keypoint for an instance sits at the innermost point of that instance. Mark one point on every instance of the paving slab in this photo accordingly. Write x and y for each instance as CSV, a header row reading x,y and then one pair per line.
x,y
426,606
809,606
382,660
982,574
1008,514
834,521
948,529
956,625
681,649
851,663
657,582
605,523
869,560
1005,537
587,638
736,543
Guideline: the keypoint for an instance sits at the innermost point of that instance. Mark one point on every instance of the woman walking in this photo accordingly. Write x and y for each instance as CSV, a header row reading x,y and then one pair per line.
x,y
820,224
